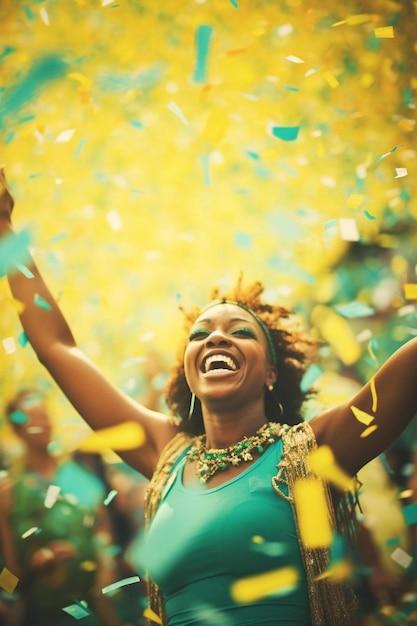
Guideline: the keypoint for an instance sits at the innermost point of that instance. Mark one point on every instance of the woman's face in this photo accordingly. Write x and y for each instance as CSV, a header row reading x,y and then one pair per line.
x,y
227,356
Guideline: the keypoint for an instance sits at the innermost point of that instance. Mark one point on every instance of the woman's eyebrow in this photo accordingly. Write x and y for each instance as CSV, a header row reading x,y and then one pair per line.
x,y
208,320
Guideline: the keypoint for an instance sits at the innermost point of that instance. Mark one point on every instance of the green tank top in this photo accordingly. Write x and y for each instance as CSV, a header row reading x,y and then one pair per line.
x,y
201,541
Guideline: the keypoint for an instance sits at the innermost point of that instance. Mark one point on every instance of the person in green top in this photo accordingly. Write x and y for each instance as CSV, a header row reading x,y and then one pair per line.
x,y
237,380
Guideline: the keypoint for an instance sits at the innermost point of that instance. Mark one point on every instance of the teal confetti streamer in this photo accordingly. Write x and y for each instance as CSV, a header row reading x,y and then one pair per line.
x,y
234,3
109,497
77,610
121,583
24,270
311,375
206,169
410,513
41,303
80,146
42,71
14,250
23,339
369,215
286,133
203,38
354,309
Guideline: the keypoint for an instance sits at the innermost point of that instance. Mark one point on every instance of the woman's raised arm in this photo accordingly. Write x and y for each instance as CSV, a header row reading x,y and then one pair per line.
x,y
364,427
96,399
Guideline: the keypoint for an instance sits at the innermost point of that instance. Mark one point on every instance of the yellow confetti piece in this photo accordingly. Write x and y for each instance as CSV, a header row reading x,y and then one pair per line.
x,y
88,566
323,463
355,200
362,416
360,18
18,305
253,588
338,572
331,80
410,291
149,614
385,32
83,80
8,581
215,127
339,334
374,395
312,513
124,436
368,431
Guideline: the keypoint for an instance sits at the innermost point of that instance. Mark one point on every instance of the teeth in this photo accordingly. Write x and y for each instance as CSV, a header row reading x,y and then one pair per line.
x,y
215,358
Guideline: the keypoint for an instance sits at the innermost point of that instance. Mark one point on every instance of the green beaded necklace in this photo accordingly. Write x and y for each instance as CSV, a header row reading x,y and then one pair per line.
x,y
218,459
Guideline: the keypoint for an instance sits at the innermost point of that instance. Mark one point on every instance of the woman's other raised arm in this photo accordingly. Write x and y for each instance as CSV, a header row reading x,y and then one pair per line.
x,y
96,399
364,427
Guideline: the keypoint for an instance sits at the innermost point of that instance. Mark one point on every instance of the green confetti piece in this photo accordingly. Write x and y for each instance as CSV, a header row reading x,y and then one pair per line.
x,y
354,309
286,133
121,583
41,303
410,513
25,270
369,215
13,251
312,373
22,339
203,37
77,611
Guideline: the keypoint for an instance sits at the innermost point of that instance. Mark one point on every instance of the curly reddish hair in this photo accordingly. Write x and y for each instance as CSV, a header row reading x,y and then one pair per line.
x,y
293,351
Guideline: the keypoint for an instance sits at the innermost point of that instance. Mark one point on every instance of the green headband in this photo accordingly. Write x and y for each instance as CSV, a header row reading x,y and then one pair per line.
x,y
263,326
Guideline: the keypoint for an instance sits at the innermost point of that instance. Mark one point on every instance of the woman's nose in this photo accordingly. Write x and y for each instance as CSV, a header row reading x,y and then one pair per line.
x,y
217,338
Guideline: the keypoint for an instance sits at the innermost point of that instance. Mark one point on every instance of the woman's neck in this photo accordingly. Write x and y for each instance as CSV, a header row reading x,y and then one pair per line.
x,y
224,430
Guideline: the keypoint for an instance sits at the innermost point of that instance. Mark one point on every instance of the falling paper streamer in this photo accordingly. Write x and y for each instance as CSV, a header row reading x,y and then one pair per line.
x,y
323,463
172,106
51,496
8,581
253,588
110,496
120,583
310,376
362,416
14,251
374,395
125,436
286,133
203,38
338,572
151,615
41,302
65,136
312,513
384,32
410,291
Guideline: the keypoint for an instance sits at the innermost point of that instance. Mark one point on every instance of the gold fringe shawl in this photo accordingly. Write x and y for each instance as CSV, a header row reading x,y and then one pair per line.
x,y
331,604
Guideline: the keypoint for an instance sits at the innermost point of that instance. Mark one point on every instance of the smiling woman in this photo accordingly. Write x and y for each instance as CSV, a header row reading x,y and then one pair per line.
x,y
241,520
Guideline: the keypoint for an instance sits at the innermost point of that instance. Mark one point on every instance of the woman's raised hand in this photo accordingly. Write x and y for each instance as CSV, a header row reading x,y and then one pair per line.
x,y
6,202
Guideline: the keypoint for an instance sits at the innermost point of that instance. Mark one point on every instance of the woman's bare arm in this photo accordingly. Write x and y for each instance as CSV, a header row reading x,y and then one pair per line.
x,y
388,403
96,399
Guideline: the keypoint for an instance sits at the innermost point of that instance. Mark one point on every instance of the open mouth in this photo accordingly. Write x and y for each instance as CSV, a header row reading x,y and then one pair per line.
x,y
219,362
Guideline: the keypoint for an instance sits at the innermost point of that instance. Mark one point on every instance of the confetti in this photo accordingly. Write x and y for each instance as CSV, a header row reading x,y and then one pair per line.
x,y
51,496
9,345
151,615
114,220
384,32
77,610
362,416
410,291
401,172
401,557
349,229
41,302
383,156
368,431
18,417
253,588
323,464
311,375
374,395
203,38
312,513
369,215
294,59
8,581
126,436
110,496
177,111
32,531
410,513
14,251
65,136
354,309
286,133
120,583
